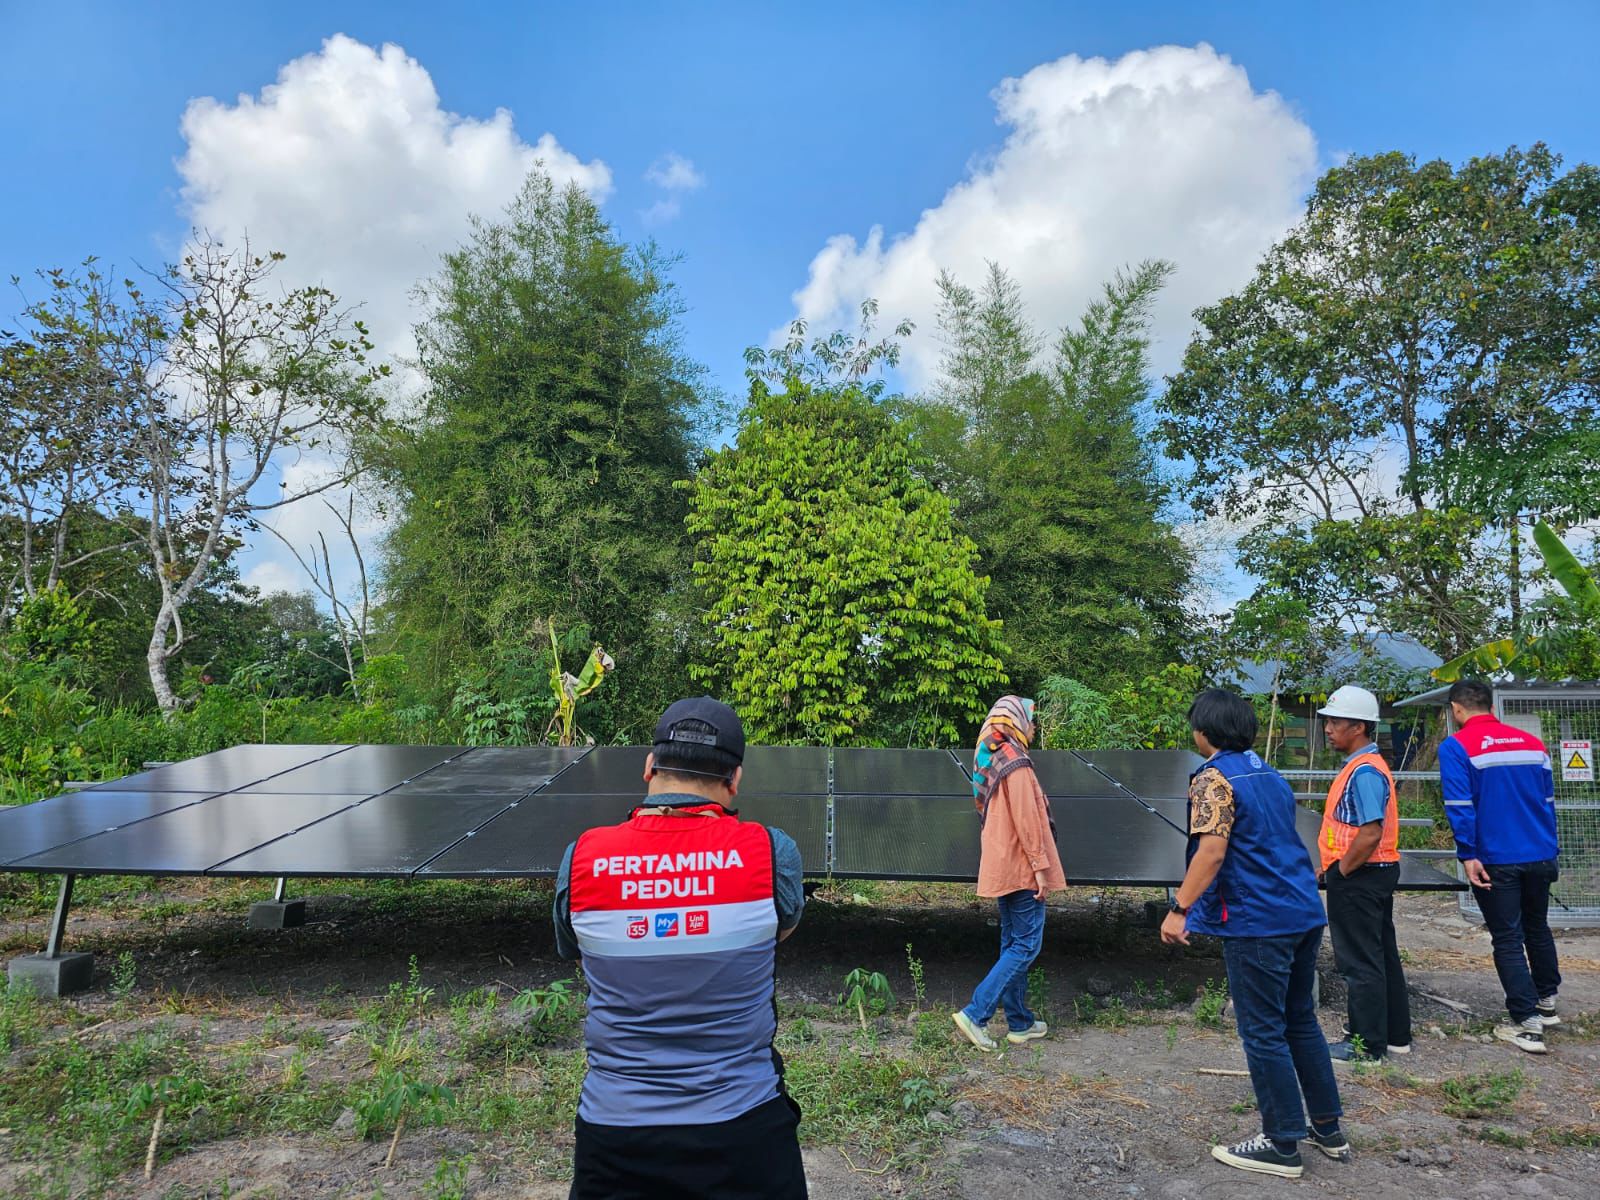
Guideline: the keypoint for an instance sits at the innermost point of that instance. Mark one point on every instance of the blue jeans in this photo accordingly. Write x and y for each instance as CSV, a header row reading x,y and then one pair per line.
x,y
1006,984
1274,1002
1517,911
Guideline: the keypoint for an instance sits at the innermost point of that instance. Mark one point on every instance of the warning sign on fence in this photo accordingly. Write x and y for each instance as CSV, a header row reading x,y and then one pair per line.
x,y
1577,762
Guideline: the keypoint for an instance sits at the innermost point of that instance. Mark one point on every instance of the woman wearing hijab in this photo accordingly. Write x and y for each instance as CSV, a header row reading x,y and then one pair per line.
x,y
1019,866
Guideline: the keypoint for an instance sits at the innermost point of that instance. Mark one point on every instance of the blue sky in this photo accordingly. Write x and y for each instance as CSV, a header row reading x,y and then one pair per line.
x,y
804,123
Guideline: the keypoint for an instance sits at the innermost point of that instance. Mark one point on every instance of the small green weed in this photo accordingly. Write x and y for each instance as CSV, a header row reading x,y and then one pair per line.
x,y
1586,1136
919,988
551,1011
124,975
1212,999
1485,1095
866,991
932,1031
450,1178
1038,994
1503,1137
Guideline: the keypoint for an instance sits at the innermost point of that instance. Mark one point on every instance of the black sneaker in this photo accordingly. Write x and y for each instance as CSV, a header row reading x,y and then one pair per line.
x,y
1259,1154
1335,1145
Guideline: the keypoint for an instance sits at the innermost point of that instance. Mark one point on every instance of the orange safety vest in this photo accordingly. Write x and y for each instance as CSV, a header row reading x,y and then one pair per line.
x,y
1336,836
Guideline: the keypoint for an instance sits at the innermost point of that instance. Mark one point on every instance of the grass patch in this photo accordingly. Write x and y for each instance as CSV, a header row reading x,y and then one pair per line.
x,y
1489,1094
1583,1136
1499,1136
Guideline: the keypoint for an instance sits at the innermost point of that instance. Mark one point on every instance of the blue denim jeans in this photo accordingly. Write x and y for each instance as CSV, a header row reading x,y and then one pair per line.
x,y
1274,1002
1517,911
1006,984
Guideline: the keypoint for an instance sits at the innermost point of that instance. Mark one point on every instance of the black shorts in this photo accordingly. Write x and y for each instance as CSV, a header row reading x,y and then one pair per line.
x,y
752,1157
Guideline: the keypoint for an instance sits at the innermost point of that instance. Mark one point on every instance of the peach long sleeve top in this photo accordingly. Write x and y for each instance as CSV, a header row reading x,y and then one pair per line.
x,y
1017,840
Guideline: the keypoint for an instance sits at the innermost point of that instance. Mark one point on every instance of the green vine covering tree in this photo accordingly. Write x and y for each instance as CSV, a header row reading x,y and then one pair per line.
x,y
842,605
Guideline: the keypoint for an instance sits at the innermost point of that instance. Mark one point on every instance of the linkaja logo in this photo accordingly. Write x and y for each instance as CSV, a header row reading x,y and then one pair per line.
x,y
666,924
638,927
697,922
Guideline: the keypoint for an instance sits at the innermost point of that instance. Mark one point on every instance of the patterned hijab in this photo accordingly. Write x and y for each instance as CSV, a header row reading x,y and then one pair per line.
x,y
1002,748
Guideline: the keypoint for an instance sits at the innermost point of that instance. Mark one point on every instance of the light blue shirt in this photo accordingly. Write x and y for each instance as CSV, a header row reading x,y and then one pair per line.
x,y
1366,793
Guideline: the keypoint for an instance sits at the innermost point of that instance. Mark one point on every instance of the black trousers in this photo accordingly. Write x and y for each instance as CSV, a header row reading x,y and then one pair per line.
x,y
752,1157
1361,922
1517,911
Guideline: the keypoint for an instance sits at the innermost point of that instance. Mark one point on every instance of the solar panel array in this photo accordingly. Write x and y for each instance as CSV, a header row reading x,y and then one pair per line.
x,y
494,812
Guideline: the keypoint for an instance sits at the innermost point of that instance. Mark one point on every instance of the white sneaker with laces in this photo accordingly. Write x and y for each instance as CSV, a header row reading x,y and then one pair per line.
x,y
1527,1035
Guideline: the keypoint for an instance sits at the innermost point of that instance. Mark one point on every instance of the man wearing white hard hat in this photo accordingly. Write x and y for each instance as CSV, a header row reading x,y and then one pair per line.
x,y
1359,847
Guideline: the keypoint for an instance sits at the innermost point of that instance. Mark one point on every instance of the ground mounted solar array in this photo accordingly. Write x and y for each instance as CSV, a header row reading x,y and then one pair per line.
x,y
494,812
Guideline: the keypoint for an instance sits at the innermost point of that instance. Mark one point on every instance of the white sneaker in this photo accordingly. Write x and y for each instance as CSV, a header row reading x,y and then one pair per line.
x,y
1037,1030
975,1034
1393,1049
1546,1012
1529,1035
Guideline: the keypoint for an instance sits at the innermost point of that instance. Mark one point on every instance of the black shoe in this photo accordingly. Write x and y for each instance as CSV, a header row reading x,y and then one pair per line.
x,y
1259,1154
1335,1145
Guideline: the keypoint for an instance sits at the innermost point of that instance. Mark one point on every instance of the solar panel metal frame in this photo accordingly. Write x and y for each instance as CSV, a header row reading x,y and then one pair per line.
x,y
842,782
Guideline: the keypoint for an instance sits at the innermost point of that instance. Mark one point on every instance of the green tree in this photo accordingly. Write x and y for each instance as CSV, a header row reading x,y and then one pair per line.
x,y
1046,457
538,478
842,605
1382,396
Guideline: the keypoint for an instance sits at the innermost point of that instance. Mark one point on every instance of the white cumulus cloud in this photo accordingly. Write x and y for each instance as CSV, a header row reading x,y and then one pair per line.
x,y
1163,153
350,164
675,173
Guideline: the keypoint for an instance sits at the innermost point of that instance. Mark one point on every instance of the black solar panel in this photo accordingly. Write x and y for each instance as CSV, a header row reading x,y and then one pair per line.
x,y
360,770
495,771
790,770
188,841
387,835
1101,839
606,771
905,837
28,829
443,810
1062,773
1117,841
221,770
1149,774
899,773
530,838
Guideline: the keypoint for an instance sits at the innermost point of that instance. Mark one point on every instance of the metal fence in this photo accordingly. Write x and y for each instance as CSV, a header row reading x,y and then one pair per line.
x,y
1567,719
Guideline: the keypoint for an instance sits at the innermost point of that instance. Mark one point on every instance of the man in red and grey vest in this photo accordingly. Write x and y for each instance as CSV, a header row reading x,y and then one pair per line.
x,y
677,914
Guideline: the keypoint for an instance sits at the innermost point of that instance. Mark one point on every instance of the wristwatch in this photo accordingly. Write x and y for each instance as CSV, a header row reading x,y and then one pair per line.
x,y
1181,909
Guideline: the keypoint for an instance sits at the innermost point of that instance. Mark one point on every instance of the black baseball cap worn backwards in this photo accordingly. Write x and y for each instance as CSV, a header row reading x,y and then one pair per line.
x,y
727,731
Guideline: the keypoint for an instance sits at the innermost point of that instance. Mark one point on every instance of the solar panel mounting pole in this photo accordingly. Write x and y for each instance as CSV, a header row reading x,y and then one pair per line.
x,y
277,891
58,923
54,973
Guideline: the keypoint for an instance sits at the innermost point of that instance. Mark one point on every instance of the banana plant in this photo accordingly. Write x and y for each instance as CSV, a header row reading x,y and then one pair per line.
x,y
1536,651
567,689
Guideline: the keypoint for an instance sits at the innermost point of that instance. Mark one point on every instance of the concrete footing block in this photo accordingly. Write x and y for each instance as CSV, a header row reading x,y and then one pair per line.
x,y
59,976
278,914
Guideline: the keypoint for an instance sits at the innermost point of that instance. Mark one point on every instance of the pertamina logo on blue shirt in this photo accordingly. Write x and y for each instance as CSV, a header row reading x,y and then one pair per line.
x,y
666,924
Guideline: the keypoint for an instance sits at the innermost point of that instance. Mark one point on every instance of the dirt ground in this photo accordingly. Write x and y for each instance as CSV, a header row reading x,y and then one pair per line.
x,y
1119,1101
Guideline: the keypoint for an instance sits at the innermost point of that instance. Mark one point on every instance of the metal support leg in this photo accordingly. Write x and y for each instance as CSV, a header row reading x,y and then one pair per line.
x,y
58,923
54,973
277,891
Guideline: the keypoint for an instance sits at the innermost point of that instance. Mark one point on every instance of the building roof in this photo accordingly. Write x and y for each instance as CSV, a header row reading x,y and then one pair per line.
x,y
1437,696
1400,650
